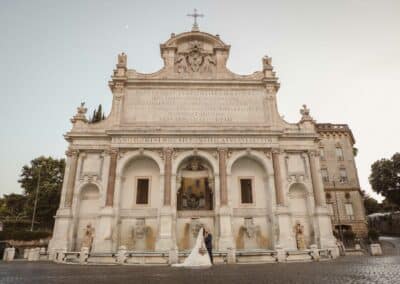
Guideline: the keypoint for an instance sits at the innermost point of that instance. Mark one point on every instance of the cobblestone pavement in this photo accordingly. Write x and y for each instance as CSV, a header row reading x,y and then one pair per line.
x,y
349,269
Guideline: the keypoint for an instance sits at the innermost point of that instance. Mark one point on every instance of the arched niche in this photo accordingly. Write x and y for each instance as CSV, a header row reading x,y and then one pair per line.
x,y
251,201
299,207
88,209
140,183
195,184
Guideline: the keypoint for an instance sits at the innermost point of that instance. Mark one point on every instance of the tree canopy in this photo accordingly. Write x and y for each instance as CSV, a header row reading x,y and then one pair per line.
x,y
51,178
385,178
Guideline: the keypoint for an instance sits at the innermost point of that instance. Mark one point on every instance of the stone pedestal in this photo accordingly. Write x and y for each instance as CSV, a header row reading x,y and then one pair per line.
x,y
173,256
62,231
323,228
225,240
165,240
375,249
280,254
231,255
104,231
34,254
26,252
9,254
84,255
121,254
314,252
284,229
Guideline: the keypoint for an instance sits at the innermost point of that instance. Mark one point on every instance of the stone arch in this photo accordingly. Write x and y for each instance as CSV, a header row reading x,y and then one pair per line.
x,y
194,153
255,155
128,157
250,186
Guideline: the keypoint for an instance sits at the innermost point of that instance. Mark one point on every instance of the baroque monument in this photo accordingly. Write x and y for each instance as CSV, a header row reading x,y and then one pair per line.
x,y
193,145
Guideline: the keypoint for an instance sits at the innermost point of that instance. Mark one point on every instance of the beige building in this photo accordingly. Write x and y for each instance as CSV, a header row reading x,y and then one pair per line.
x,y
339,174
193,145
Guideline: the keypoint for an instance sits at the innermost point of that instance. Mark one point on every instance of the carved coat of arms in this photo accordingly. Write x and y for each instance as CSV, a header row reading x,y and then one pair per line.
x,y
195,60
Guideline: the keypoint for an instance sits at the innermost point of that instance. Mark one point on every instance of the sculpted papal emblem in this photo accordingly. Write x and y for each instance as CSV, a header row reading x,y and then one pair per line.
x,y
195,60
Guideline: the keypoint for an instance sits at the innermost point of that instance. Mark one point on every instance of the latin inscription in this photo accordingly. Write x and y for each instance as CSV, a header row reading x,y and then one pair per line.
x,y
191,140
194,106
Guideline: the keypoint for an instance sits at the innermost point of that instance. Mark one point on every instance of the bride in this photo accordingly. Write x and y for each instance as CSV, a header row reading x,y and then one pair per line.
x,y
198,257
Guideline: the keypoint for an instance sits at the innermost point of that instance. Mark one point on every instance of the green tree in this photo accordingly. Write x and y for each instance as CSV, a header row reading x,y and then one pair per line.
x,y
98,115
385,178
371,205
51,177
12,207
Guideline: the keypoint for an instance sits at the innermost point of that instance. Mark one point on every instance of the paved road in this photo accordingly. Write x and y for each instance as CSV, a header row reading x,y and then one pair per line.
x,y
350,269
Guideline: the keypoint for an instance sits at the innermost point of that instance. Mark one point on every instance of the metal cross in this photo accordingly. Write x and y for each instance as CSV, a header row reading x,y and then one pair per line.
x,y
195,15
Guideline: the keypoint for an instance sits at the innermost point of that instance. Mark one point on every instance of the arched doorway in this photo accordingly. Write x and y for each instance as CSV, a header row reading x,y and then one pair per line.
x,y
195,185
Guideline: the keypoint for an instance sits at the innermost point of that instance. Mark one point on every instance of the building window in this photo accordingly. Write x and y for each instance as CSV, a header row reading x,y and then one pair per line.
x,y
246,190
142,191
343,176
322,153
349,211
339,153
325,175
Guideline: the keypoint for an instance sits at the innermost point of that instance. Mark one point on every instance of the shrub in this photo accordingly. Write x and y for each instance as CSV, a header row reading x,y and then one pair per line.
x,y
24,235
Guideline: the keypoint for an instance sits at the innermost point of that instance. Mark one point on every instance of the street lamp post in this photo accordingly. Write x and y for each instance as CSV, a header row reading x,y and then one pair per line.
x,y
36,199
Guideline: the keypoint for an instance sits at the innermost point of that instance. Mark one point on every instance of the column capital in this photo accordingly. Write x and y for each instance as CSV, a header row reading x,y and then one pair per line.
x,y
313,153
72,152
277,151
111,151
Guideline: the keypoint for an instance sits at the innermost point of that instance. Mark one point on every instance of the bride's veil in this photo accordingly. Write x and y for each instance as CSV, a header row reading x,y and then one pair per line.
x,y
195,258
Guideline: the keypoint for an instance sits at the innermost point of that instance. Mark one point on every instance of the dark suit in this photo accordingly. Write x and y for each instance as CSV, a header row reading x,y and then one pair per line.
x,y
208,243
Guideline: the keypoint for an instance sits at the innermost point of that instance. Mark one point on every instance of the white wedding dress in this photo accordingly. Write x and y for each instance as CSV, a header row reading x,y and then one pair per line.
x,y
195,258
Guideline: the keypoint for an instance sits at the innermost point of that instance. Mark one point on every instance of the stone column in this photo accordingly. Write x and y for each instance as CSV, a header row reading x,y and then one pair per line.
x,y
277,178
73,157
225,241
167,175
165,232
111,178
315,179
222,153
322,222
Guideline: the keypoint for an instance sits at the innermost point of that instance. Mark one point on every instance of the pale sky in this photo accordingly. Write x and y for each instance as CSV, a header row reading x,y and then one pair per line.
x,y
341,58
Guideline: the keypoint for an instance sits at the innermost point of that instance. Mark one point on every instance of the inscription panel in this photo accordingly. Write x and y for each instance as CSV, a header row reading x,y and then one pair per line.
x,y
194,106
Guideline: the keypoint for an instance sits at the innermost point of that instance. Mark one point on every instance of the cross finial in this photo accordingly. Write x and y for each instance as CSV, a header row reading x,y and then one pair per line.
x,y
195,15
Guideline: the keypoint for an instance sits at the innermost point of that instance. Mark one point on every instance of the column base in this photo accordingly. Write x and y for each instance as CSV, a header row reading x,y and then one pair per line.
x,y
165,241
62,231
284,231
225,240
104,233
324,236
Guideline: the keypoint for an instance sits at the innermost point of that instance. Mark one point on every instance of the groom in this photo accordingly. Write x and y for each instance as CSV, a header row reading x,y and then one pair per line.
x,y
208,243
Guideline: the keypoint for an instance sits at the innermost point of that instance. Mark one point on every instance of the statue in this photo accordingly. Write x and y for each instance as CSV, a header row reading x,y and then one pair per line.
x,y
88,237
122,60
299,232
209,64
180,64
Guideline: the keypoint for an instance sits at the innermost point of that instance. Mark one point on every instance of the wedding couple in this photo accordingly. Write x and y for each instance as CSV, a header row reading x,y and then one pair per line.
x,y
201,254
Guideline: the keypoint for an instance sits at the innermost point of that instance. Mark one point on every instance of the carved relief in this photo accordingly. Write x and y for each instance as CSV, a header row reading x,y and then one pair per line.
x,y
195,60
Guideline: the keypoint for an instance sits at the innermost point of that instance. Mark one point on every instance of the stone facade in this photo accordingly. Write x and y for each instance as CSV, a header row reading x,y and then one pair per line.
x,y
339,175
192,145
